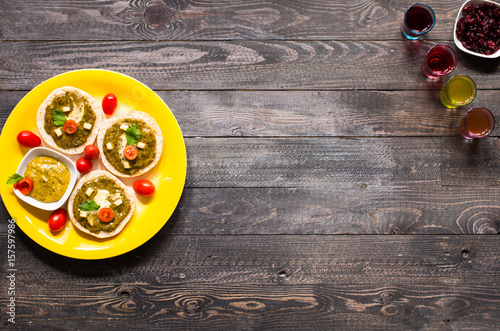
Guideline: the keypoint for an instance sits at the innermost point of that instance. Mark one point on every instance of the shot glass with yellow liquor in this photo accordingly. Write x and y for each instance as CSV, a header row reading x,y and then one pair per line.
x,y
459,91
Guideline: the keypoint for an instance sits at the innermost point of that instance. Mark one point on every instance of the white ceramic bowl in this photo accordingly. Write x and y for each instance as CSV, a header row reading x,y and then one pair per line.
x,y
459,43
56,155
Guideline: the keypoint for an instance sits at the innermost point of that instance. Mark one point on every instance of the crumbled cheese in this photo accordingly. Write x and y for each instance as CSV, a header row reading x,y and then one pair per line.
x,y
141,145
66,109
126,165
115,196
101,198
83,214
90,221
109,145
87,126
118,202
124,127
78,111
58,132
89,191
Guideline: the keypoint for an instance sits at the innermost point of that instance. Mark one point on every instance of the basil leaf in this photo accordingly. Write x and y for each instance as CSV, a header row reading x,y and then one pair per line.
x,y
14,179
133,134
59,117
90,205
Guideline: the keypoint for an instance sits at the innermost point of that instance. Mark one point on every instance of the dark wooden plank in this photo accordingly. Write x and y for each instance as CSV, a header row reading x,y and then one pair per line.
x,y
214,20
360,210
258,307
258,259
233,65
313,162
362,282
306,113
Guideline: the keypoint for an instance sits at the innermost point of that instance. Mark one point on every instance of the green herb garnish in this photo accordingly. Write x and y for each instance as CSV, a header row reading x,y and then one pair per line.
x,y
90,205
14,179
59,117
133,134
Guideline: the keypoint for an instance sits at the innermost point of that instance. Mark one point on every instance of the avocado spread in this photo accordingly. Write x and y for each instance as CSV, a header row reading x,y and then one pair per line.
x,y
50,178
75,107
116,136
113,193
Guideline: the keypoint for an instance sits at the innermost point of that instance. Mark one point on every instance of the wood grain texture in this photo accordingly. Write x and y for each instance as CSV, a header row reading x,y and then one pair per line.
x,y
233,65
214,20
285,259
297,282
259,307
361,210
307,113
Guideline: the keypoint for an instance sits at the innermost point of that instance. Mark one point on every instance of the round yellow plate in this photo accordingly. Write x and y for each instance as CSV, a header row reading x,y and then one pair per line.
x,y
151,213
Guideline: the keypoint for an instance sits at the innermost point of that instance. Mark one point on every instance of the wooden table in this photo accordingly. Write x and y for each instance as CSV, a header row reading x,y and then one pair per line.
x,y
327,187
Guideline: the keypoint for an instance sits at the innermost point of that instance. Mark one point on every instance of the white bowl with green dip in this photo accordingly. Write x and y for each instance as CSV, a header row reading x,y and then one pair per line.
x,y
53,174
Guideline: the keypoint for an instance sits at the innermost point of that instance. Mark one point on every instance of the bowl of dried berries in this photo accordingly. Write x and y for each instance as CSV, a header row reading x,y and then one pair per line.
x,y
477,28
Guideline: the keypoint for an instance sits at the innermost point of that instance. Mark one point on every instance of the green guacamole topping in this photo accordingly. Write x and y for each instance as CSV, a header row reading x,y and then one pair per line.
x,y
91,222
145,156
50,178
74,102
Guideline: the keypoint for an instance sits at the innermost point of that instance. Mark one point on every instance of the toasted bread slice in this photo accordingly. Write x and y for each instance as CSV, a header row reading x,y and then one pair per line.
x,y
80,222
116,165
79,145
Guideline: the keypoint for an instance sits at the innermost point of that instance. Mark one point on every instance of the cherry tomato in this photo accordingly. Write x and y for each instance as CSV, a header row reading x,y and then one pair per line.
x,y
70,126
91,152
130,152
105,214
25,185
144,187
28,139
57,220
109,103
83,165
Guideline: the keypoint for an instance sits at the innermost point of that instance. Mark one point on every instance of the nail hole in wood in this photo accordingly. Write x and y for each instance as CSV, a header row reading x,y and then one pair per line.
x,y
283,274
465,254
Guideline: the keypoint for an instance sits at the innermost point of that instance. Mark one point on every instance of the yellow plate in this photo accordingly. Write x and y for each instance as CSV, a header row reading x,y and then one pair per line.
x,y
151,213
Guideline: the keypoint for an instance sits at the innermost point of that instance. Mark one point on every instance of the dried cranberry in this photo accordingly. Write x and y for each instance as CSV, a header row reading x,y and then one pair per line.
x,y
479,28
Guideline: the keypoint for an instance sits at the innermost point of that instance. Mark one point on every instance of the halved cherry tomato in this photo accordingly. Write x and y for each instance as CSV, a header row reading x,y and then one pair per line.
x,y
130,152
83,165
57,220
105,214
25,185
91,152
144,187
109,103
28,139
70,126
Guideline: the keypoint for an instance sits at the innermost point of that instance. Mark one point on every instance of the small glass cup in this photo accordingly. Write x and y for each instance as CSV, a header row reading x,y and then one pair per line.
x,y
479,122
419,19
439,61
460,90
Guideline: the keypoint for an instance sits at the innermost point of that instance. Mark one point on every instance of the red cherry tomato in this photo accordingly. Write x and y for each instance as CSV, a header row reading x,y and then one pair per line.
x,y
28,139
144,187
83,165
105,214
70,126
109,103
91,152
25,185
57,220
130,152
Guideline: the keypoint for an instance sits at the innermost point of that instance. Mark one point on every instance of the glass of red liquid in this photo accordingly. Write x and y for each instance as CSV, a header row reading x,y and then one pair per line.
x,y
419,19
439,61
479,122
